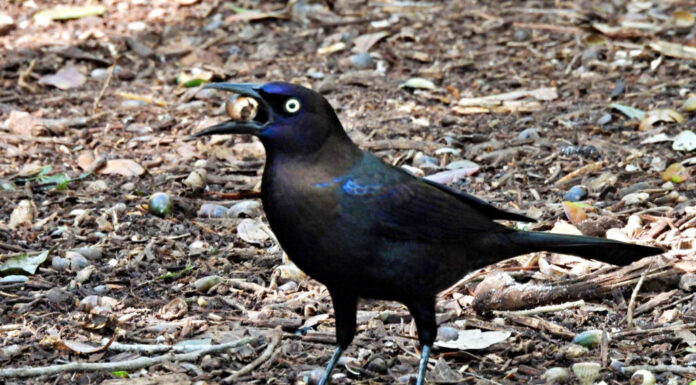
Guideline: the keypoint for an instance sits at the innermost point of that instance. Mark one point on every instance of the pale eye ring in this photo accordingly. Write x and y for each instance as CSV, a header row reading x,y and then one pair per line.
x,y
292,105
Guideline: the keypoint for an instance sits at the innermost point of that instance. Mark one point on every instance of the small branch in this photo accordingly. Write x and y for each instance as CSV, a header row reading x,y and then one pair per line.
x,y
660,368
137,363
22,81
632,301
267,353
103,90
543,309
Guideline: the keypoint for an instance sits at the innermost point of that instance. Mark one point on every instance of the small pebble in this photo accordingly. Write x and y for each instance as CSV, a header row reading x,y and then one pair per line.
x,y
101,289
447,333
521,35
124,74
529,133
210,210
635,198
205,283
137,26
658,164
575,194
160,204
556,375
361,61
288,286
59,263
604,119
588,338
92,253
99,74
198,247
687,282
314,376
421,160
77,261
377,365
132,104
314,74
96,187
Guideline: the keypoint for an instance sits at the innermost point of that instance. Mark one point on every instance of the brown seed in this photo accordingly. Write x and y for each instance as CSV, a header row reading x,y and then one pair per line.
x,y
241,108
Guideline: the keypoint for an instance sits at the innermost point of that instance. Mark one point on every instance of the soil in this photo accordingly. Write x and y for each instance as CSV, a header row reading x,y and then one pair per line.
x,y
406,79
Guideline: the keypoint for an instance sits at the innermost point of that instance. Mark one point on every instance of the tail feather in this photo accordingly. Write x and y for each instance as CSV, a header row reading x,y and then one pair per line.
x,y
600,249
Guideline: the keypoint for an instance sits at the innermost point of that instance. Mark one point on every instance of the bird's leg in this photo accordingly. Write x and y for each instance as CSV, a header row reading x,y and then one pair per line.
x,y
329,367
423,312
345,307
423,364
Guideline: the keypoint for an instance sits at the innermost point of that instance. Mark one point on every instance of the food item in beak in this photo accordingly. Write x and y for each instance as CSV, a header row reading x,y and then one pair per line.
x,y
241,108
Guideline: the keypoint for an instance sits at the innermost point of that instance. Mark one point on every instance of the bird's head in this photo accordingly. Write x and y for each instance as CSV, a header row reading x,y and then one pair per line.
x,y
290,119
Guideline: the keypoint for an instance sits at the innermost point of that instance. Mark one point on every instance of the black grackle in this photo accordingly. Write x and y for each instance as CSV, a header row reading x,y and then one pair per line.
x,y
366,229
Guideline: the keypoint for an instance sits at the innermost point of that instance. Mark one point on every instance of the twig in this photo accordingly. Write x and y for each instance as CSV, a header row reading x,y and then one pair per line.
x,y
543,309
137,363
22,80
267,353
550,27
604,348
155,348
661,368
11,247
632,301
103,90
17,139
685,326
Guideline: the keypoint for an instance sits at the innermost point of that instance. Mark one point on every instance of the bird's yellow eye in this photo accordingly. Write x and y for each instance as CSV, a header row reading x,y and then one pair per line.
x,y
292,105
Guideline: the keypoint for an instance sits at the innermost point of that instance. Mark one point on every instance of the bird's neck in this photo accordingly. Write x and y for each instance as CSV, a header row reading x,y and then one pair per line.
x,y
334,158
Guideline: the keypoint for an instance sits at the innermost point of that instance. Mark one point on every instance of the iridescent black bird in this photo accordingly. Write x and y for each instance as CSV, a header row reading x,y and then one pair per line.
x,y
366,229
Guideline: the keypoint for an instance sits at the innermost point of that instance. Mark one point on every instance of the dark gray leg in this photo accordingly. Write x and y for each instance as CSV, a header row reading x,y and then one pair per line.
x,y
332,364
345,307
423,364
423,312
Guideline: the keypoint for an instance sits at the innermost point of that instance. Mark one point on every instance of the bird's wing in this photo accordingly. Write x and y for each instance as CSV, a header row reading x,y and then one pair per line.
x,y
400,206
481,205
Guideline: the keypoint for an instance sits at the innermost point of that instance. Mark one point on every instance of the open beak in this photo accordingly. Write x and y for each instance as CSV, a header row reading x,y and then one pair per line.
x,y
254,126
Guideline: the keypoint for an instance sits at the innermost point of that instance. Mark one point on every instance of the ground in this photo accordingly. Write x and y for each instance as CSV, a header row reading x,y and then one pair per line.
x,y
597,101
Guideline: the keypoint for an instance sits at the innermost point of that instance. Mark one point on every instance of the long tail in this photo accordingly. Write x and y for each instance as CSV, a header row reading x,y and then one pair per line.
x,y
600,249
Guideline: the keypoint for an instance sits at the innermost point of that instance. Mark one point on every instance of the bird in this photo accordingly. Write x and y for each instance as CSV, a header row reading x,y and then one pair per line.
x,y
369,230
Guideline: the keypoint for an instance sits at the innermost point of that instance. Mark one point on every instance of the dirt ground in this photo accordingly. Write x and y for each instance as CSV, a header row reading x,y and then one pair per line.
x,y
594,104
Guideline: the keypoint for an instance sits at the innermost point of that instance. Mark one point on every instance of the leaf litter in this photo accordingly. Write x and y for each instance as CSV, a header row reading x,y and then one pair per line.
x,y
509,88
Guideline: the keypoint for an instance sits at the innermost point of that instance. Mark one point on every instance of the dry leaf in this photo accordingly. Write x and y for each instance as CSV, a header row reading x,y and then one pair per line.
x,y
674,50
251,231
66,78
85,159
685,141
660,115
675,173
22,214
125,167
23,123
575,212
363,43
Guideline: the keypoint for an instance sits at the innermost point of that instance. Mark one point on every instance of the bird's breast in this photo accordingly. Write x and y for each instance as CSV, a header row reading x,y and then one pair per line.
x,y
306,216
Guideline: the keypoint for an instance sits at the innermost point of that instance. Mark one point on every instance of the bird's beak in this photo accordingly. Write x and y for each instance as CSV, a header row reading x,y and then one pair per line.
x,y
264,114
